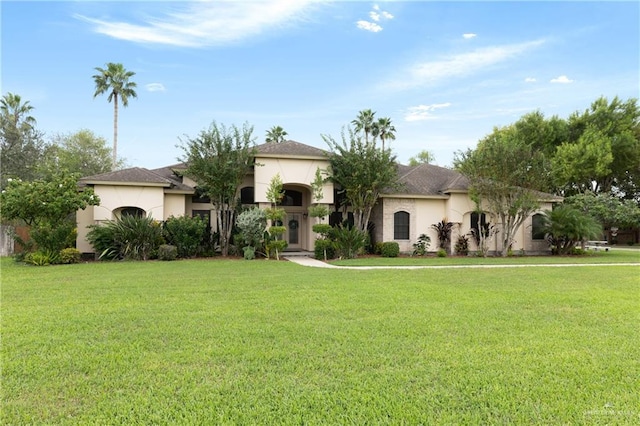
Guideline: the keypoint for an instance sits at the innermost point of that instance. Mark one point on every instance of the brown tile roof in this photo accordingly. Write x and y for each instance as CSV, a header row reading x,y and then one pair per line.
x,y
290,149
427,179
138,175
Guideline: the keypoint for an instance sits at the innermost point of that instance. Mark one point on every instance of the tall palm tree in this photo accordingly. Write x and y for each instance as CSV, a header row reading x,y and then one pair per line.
x,y
275,135
115,80
365,123
385,130
16,111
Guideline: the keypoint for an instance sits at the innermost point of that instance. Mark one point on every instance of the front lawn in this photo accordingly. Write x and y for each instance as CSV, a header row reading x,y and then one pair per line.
x,y
267,342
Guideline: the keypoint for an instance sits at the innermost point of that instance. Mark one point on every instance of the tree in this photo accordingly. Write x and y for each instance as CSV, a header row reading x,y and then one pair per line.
x,y
362,171
218,159
21,145
114,80
365,123
566,227
48,207
423,157
384,129
275,135
276,215
82,152
506,175
607,209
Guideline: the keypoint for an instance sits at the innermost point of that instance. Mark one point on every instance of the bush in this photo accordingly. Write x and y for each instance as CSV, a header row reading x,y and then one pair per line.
x,y
54,238
252,224
420,248
128,237
349,242
390,249
42,258
69,255
185,233
167,252
462,245
249,252
441,253
322,248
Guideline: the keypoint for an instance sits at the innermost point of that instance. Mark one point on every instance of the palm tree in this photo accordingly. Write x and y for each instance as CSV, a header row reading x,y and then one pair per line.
x,y
364,123
115,80
384,129
275,135
16,112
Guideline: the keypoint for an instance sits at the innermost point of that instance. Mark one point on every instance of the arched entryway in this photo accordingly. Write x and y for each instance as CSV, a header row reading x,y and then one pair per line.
x,y
296,204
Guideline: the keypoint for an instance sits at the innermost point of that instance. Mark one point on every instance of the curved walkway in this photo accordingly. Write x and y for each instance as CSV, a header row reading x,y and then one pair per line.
x,y
308,261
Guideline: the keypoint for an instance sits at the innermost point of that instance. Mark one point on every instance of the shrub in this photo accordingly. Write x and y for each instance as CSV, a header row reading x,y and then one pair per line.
x,y
322,229
185,233
128,237
390,249
443,232
420,248
348,241
54,238
167,252
462,245
42,258
441,253
252,224
249,252
324,249
69,255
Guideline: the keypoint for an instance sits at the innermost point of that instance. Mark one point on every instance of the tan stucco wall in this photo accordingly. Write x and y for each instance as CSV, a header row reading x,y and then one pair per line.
x,y
292,171
84,218
174,205
149,199
423,213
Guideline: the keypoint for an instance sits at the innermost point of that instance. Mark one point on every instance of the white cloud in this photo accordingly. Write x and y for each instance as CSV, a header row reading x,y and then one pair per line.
x,y
530,80
563,79
469,35
376,15
155,87
459,65
423,112
369,26
207,23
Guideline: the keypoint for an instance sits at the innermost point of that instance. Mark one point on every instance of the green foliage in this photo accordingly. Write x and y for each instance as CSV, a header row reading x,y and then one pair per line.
x,y
249,252
324,249
506,173
608,209
441,253
322,228
218,159
274,191
462,245
276,246
317,187
47,206
390,249
186,233
252,224
128,237
349,241
167,252
422,245
443,232
423,157
21,145
320,211
42,258
362,171
566,227
275,135
69,256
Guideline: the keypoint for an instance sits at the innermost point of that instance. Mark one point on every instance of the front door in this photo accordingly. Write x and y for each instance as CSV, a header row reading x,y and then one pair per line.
x,y
293,234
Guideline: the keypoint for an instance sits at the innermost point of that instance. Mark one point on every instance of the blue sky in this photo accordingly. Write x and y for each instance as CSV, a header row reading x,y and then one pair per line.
x,y
446,73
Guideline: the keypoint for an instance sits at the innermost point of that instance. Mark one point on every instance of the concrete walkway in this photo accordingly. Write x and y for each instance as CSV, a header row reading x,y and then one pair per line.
x,y
308,261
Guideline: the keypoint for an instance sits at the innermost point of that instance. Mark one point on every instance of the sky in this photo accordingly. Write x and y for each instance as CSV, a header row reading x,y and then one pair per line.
x,y
446,73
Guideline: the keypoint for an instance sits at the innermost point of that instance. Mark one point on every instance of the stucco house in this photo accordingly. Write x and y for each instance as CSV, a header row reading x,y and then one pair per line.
x,y
429,193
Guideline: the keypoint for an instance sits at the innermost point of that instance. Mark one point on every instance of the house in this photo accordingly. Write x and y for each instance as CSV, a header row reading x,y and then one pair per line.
x,y
429,193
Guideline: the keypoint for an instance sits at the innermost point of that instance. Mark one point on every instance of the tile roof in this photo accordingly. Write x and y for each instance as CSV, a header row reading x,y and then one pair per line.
x,y
290,149
427,179
139,175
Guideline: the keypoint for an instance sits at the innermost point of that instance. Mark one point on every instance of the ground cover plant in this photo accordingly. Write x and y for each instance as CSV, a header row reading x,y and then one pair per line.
x,y
264,342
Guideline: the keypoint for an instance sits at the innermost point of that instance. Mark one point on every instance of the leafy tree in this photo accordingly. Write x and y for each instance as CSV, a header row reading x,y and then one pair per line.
x,y
21,145
276,215
114,80
423,157
602,151
566,227
607,209
543,134
218,159
506,174
48,207
185,233
275,135
363,172
82,152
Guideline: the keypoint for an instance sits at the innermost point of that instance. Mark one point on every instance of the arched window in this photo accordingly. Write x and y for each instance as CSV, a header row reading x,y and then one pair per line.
x,y
401,225
478,224
537,227
291,198
132,211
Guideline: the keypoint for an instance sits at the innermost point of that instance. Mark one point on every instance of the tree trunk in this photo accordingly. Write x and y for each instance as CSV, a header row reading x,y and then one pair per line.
x,y
115,131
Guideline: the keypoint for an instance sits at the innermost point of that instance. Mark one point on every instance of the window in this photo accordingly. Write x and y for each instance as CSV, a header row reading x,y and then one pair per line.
x,y
199,197
401,226
537,227
132,211
291,198
246,195
478,222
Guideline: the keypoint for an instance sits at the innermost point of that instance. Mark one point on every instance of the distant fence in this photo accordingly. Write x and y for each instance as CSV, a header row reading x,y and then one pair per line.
x,y
6,240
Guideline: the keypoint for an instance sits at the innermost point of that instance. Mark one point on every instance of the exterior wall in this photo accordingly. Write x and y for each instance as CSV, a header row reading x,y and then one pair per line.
x,y
174,205
422,214
149,199
292,171
84,218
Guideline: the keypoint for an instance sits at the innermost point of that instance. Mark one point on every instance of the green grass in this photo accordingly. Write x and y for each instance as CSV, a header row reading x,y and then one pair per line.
x,y
593,257
237,342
